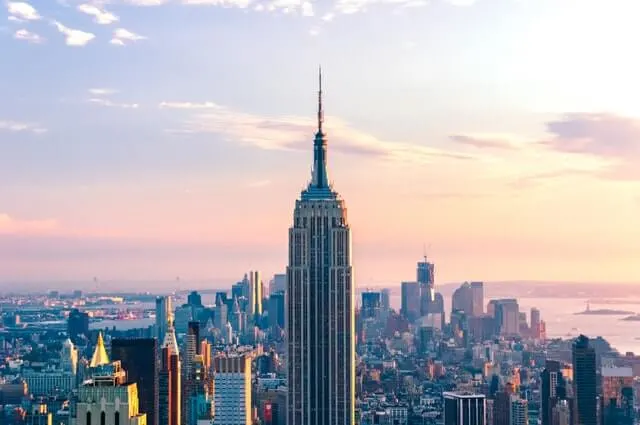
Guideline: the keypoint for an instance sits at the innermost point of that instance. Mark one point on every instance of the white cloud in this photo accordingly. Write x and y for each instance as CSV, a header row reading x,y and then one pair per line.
x,y
100,16
122,36
74,37
16,126
461,2
28,36
102,91
146,2
295,133
223,3
22,11
314,31
307,9
188,105
328,17
348,7
106,102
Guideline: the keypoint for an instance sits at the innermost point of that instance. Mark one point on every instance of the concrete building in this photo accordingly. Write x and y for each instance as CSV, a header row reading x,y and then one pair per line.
x,y
462,408
232,377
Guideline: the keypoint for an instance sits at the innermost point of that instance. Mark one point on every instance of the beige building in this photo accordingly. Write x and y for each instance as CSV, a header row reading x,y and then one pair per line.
x,y
104,398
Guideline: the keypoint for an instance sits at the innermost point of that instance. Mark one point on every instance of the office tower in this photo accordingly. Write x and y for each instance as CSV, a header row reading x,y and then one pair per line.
x,y
502,408
232,390
77,325
464,409
507,316
191,350
426,281
584,381
255,294
201,403
519,411
69,357
105,398
462,299
138,359
278,283
277,310
549,377
385,299
561,413
535,323
170,405
194,299
370,305
164,311
410,300
477,296
182,316
320,316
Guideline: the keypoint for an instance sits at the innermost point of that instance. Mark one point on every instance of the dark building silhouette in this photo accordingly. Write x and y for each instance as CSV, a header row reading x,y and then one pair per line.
x,y
370,305
276,310
410,300
584,382
549,389
138,359
78,324
194,299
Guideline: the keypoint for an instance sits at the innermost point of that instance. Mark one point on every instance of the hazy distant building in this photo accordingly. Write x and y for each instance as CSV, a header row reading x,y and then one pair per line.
x,y
255,294
232,390
507,316
462,299
385,299
477,298
277,310
536,328
370,305
78,325
278,283
464,409
425,275
320,302
164,311
584,381
410,300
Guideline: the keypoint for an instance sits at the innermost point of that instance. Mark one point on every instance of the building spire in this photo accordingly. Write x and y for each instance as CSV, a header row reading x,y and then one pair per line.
x,y
320,110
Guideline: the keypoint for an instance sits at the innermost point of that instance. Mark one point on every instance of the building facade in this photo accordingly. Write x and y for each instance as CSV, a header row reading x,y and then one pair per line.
x,y
320,309
232,390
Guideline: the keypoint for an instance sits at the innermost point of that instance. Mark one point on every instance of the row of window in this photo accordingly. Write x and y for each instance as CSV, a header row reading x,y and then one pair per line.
x,y
103,418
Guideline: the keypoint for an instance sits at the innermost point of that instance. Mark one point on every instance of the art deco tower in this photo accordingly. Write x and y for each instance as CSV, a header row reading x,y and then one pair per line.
x,y
320,310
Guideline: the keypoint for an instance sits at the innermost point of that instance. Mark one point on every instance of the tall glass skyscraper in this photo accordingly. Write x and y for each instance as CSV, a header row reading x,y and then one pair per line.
x,y
320,310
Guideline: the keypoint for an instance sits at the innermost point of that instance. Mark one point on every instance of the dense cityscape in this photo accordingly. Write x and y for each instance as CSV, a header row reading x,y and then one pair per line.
x,y
304,347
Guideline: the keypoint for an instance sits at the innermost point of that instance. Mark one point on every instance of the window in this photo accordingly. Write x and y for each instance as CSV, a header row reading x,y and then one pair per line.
x,y
88,418
116,420
103,419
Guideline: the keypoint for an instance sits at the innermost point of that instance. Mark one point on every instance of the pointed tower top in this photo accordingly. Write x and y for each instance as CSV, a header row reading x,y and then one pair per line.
x,y
100,354
170,341
320,110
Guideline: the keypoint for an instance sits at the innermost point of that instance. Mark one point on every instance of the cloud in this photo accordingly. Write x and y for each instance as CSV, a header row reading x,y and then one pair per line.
x,y
28,36
488,141
349,7
122,37
11,226
22,11
100,16
613,138
15,126
314,31
188,105
107,102
73,37
535,179
294,133
102,92
461,3
146,2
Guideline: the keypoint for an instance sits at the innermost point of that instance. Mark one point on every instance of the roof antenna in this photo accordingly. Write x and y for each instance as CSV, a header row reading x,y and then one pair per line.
x,y
320,110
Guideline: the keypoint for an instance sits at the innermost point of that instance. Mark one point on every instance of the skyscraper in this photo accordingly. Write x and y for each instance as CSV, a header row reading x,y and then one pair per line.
x,y
410,300
426,279
233,390
584,381
169,412
255,294
138,358
320,310
164,312
78,325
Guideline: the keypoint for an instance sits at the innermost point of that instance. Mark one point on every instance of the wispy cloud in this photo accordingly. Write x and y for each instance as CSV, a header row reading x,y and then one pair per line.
x,y
613,138
122,37
22,11
76,38
102,91
109,103
11,225
489,141
100,16
28,36
16,126
293,133
188,105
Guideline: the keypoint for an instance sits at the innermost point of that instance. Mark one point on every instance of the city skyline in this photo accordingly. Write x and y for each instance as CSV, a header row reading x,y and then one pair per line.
x,y
121,162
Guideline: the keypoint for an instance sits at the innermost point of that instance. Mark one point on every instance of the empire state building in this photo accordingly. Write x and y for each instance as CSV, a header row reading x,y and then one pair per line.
x,y
320,310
